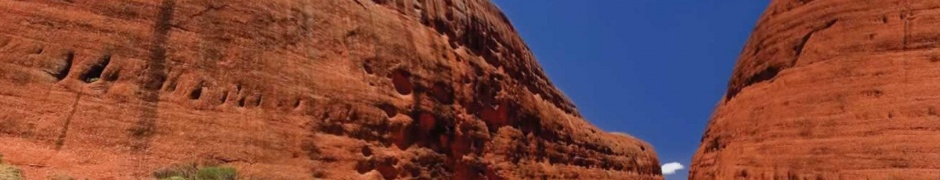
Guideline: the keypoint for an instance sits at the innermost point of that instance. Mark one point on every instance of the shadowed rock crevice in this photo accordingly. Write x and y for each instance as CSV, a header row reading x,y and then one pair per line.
x,y
196,93
772,70
64,70
97,68
767,74
798,49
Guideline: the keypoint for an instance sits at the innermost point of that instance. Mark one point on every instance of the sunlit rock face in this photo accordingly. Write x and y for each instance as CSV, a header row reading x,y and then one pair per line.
x,y
831,89
289,89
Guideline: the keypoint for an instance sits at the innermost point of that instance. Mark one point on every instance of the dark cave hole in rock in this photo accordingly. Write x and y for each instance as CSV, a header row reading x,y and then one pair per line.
x,y
224,97
196,93
94,72
367,66
62,72
366,151
390,110
401,80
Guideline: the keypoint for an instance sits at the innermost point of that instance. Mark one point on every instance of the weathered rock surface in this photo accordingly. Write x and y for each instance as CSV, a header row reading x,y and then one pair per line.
x,y
831,89
289,89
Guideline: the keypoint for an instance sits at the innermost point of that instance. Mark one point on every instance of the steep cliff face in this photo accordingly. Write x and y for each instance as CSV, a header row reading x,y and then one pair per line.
x,y
831,89
289,89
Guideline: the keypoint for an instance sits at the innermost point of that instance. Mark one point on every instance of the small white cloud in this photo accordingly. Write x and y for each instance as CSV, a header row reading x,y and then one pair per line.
x,y
671,168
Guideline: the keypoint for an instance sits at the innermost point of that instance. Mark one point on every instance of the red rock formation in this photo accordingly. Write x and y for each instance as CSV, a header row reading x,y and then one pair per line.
x,y
289,89
831,89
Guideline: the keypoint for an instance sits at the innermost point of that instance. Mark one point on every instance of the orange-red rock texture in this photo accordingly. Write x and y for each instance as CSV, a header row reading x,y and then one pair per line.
x,y
831,89
333,89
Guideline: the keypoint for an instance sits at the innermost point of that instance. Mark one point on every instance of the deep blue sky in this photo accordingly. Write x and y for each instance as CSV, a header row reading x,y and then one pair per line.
x,y
651,68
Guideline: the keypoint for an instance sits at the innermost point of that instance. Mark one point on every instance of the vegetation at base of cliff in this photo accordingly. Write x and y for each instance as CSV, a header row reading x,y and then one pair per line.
x,y
61,177
8,172
195,172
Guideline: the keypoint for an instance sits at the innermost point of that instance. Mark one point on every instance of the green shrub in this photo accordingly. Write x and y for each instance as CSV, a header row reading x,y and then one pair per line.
x,y
186,171
194,172
217,173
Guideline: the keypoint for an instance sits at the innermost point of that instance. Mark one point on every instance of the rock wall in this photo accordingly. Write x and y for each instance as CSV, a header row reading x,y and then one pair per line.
x,y
831,89
289,89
